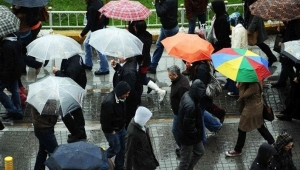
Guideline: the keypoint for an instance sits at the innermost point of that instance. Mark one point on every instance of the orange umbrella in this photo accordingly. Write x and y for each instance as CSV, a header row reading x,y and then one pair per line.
x,y
189,47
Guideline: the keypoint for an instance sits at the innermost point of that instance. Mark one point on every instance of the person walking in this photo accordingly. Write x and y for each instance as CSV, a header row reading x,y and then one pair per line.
x,y
112,119
167,10
74,121
94,23
264,157
190,126
138,150
251,116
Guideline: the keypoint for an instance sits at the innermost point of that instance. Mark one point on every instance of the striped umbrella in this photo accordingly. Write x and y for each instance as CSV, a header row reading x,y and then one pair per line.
x,y
240,65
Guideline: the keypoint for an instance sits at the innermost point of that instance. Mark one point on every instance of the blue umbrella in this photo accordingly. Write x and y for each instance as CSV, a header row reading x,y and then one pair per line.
x,y
28,3
79,155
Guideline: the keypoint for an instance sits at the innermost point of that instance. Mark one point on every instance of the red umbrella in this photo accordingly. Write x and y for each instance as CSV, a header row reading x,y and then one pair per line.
x,y
125,10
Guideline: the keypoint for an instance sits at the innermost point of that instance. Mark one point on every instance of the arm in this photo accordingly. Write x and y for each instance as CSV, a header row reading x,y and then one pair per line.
x,y
253,25
91,15
222,31
250,91
161,8
106,116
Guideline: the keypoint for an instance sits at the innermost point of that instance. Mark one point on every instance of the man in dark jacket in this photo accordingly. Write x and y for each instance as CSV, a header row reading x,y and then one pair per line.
x,y
73,68
190,126
10,56
138,151
180,85
167,11
112,119
94,23
264,156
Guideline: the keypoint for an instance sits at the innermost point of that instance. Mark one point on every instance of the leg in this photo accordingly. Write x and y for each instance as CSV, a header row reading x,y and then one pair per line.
x,y
202,18
104,67
192,25
266,134
185,156
79,119
88,51
198,152
119,160
211,123
114,144
240,141
13,105
175,131
40,158
266,49
31,62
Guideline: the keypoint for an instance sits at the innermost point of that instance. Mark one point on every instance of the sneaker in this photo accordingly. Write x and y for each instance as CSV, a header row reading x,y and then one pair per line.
x,y
6,118
99,73
233,153
161,95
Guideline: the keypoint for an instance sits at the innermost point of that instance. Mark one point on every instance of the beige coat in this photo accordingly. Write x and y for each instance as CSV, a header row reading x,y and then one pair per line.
x,y
251,117
239,37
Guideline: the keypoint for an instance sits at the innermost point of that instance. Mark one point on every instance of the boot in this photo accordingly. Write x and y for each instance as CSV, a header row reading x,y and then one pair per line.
x,y
23,96
149,89
161,93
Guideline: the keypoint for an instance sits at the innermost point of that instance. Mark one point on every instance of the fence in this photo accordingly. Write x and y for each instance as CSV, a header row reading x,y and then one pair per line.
x,y
75,19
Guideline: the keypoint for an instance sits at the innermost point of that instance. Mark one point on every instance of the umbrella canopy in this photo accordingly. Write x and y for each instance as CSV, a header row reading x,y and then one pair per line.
x,y
63,89
53,46
9,23
125,10
189,47
79,155
240,65
291,49
28,3
116,42
276,9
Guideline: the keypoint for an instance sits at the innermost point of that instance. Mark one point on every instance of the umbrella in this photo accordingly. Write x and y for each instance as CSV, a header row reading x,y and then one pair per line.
x,y
63,89
276,9
240,65
28,3
79,155
125,10
189,47
53,46
116,42
9,23
291,49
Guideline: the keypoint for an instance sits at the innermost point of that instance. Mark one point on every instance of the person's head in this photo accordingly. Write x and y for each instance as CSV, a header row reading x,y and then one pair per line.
x,y
173,72
197,90
218,7
122,90
236,18
142,115
140,27
284,142
265,153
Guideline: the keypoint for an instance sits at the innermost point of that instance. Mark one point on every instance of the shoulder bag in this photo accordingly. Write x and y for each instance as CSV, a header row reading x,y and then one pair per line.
x,y
214,88
252,38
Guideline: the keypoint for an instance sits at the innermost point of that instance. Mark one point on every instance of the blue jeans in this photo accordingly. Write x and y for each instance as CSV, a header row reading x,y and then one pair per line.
x,y
47,145
116,147
89,56
13,105
210,123
192,23
164,33
190,155
175,130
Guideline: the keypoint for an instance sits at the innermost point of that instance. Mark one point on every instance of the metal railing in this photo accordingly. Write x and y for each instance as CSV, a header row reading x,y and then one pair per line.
x,y
75,19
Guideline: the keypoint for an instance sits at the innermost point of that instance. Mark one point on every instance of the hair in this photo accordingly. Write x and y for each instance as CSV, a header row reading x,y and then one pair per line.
x,y
140,26
174,69
219,8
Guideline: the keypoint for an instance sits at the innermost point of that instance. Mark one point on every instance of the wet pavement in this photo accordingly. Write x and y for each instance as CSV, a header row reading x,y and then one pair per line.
x,y
18,140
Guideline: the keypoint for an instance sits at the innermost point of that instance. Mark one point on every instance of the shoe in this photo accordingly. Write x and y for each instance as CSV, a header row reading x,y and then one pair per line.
x,y
277,85
46,63
177,151
37,71
161,95
232,94
151,70
233,153
78,137
87,67
284,117
6,118
271,61
186,72
149,89
99,73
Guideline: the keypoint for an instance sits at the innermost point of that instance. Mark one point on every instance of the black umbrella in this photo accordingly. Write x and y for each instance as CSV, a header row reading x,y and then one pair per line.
x,y
28,3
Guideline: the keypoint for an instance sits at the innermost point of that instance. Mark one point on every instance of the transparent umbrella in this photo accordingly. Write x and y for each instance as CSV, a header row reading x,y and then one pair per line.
x,y
62,89
116,42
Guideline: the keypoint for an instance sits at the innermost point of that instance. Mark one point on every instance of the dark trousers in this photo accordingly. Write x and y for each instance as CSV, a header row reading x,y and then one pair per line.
x,y
74,121
287,71
266,49
242,137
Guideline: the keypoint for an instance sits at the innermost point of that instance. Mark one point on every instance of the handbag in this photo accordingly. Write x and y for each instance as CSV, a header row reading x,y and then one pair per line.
x,y
252,38
277,43
267,110
214,88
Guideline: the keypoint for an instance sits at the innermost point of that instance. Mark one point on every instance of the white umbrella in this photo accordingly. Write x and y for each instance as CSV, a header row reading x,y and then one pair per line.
x,y
116,42
62,89
53,46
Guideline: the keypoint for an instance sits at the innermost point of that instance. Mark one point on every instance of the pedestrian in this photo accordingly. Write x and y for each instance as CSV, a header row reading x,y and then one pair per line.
x,y
167,10
220,27
126,70
43,124
251,116
144,60
180,84
264,157
195,9
10,73
283,158
255,23
138,150
112,119
74,121
94,23
190,126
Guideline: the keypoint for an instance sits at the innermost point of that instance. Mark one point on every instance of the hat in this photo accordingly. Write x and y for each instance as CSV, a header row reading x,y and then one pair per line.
x,y
142,115
122,88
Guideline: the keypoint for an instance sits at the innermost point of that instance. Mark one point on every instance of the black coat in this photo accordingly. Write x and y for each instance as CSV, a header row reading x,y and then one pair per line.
x,y
73,68
138,150
261,162
145,59
167,10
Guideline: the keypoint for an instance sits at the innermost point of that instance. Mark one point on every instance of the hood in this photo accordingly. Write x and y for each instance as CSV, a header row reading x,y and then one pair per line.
x,y
265,152
121,88
50,108
142,115
197,90
218,7
282,140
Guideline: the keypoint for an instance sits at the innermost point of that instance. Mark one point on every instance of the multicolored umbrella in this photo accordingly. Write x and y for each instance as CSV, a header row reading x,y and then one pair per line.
x,y
291,49
9,23
189,47
240,65
125,10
